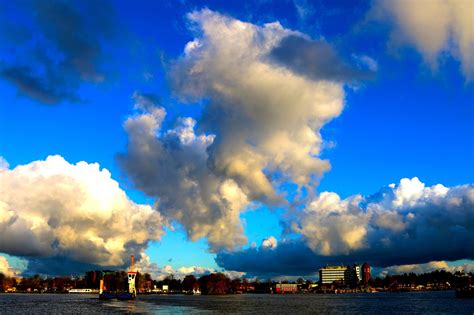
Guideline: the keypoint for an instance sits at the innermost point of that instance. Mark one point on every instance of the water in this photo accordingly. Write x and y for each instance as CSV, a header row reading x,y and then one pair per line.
x,y
375,303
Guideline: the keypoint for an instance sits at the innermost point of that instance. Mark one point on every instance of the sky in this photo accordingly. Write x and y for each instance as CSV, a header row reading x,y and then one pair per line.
x,y
258,138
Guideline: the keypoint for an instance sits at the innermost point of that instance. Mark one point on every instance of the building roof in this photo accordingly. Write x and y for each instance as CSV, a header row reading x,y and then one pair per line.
x,y
334,267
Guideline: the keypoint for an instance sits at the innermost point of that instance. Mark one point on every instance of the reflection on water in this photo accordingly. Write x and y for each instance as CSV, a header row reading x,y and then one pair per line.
x,y
139,306
83,304
414,302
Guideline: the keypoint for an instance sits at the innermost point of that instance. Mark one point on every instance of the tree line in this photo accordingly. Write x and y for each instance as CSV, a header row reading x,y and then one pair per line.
x,y
439,278
214,283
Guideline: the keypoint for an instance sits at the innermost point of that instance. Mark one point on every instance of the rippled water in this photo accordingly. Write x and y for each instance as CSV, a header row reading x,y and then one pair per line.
x,y
412,302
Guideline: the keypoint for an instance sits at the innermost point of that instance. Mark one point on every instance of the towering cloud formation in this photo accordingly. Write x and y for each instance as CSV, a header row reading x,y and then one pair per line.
x,y
172,165
51,209
402,224
259,126
436,25
265,116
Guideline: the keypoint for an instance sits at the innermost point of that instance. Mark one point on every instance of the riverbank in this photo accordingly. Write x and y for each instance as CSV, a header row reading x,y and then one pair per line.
x,y
318,292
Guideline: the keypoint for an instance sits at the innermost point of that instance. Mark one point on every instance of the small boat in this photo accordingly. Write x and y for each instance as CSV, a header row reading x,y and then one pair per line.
x,y
120,295
83,291
105,295
125,296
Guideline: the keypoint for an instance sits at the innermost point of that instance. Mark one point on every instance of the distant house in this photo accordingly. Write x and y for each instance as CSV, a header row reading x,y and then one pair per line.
x,y
286,288
366,273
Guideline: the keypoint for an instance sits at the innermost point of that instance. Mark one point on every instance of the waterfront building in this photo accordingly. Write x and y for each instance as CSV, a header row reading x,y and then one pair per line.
x,y
365,273
332,274
342,275
286,288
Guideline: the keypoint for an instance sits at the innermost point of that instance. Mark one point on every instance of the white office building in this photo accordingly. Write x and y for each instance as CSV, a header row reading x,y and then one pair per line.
x,y
345,275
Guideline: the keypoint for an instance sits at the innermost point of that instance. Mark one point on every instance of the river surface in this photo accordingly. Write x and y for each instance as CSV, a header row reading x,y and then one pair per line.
x,y
372,303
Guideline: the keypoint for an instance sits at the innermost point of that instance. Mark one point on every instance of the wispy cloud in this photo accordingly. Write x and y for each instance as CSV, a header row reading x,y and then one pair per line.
x,y
58,49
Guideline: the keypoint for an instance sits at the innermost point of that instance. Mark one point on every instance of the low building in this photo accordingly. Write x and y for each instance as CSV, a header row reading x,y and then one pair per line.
x,y
145,286
286,288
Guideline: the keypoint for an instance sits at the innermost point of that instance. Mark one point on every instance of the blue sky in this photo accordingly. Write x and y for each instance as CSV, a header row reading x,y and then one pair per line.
x,y
412,118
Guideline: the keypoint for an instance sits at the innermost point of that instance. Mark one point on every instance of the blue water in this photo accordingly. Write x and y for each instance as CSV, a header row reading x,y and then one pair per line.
x,y
374,303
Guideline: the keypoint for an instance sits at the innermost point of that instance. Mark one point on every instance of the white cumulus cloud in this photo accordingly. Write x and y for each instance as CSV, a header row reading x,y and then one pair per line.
x,y
52,208
270,243
403,222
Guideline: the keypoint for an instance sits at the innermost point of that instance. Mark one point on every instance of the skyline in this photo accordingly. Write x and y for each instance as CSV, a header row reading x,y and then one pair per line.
x,y
217,136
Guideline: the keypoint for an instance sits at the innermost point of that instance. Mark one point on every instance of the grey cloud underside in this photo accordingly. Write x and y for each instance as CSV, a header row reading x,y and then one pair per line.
x,y
60,49
61,266
316,60
290,258
64,263
297,259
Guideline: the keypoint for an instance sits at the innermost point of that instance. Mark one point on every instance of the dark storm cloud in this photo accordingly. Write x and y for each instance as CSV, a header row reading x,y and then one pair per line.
x,y
290,259
60,266
316,60
402,224
60,47
295,258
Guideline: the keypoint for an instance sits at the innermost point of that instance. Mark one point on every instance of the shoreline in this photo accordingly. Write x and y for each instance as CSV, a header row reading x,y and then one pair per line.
x,y
247,293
